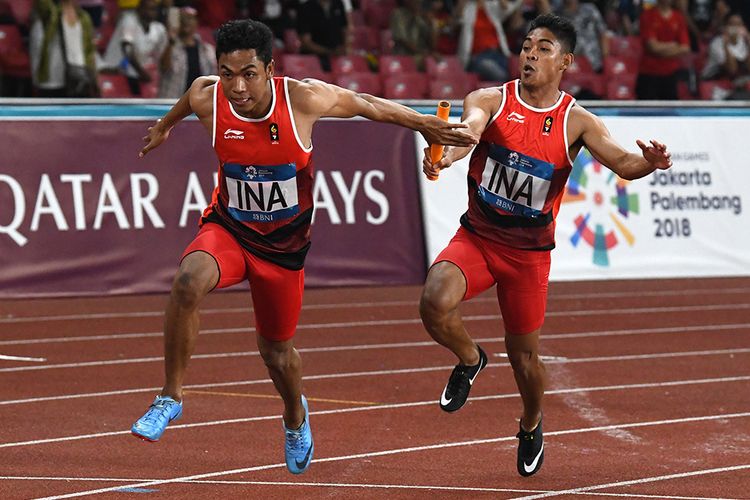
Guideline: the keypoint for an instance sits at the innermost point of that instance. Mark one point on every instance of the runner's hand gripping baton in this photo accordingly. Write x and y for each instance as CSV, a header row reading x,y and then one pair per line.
x,y
436,150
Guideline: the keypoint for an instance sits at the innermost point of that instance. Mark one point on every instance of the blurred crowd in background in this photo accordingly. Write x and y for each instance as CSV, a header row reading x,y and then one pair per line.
x,y
400,49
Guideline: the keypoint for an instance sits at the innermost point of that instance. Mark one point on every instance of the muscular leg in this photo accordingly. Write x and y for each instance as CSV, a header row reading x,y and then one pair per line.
x,y
530,374
443,291
197,275
285,368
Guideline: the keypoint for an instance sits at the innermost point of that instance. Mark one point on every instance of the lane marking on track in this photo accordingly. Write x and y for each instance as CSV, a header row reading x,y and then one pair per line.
x,y
653,479
250,382
391,406
240,482
410,450
239,354
354,324
277,397
385,303
21,358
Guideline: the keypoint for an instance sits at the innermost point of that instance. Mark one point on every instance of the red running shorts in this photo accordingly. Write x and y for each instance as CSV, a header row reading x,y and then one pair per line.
x,y
521,276
276,291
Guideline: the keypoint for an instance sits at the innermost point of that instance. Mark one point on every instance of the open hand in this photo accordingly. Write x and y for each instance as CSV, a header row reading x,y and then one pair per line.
x,y
656,154
437,131
155,136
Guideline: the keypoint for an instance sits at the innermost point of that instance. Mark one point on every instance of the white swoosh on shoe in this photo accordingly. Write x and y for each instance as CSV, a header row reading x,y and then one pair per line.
x,y
471,380
443,400
529,468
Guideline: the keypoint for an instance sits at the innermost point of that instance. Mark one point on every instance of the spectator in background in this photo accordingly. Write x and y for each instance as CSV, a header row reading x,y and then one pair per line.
x,y
411,31
729,52
665,39
444,27
628,12
62,50
482,45
593,41
138,42
322,29
186,58
95,10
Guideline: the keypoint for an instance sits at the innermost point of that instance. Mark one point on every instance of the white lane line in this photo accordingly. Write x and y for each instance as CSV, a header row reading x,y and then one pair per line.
x,y
239,354
386,303
22,358
392,406
653,479
400,451
240,482
391,322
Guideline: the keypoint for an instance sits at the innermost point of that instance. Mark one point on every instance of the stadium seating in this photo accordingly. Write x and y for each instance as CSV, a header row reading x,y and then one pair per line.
x,y
390,65
620,67
386,42
300,63
349,64
405,86
377,13
446,67
363,39
455,87
714,89
14,59
368,83
112,86
626,46
621,89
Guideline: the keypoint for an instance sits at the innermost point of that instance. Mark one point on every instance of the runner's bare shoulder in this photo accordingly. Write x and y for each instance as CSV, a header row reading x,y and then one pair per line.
x,y
202,95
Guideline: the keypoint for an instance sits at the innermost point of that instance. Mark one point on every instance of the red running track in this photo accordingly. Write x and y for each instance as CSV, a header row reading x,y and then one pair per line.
x,y
648,397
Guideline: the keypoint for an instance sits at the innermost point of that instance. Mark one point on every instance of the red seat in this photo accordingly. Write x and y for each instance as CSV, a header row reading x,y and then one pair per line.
x,y
358,18
292,42
574,83
363,39
10,39
714,90
300,63
386,42
367,83
301,74
377,13
113,86
405,86
620,67
21,10
621,89
484,84
449,88
581,64
447,67
390,65
14,59
514,67
626,46
349,64
207,34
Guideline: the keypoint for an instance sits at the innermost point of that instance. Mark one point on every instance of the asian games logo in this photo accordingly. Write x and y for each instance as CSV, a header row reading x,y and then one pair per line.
x,y
608,206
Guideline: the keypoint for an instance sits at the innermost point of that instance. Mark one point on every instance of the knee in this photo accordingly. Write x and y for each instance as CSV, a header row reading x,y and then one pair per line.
x,y
524,362
278,360
187,291
434,303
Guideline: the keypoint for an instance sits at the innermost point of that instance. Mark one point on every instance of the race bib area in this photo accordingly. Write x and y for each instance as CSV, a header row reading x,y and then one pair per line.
x,y
515,183
261,193
82,195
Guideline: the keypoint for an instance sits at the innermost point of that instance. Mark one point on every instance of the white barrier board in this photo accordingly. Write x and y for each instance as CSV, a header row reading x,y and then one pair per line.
x,y
688,221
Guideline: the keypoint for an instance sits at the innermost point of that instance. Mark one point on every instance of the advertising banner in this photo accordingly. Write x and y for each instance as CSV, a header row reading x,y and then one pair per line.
x,y
688,221
81,214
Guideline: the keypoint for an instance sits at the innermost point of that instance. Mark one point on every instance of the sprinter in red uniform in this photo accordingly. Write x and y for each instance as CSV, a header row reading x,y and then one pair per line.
x,y
257,227
530,132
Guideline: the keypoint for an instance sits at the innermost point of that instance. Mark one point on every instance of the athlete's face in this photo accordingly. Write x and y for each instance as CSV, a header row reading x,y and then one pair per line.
x,y
245,81
543,58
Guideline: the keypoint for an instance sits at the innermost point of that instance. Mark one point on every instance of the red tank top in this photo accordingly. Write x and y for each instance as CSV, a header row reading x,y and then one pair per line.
x,y
264,195
518,171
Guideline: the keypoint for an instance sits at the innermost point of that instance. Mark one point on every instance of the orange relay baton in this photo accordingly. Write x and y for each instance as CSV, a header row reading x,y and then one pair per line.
x,y
436,150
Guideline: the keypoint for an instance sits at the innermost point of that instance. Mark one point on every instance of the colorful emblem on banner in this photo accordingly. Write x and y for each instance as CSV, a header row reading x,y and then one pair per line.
x,y
592,182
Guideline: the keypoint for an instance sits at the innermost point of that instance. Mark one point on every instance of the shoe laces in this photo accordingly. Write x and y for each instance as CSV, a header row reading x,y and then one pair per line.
x,y
295,439
154,413
458,378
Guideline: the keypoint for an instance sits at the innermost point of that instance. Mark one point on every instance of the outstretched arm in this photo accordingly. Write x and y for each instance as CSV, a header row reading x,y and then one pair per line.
x,y
198,99
479,107
630,166
315,99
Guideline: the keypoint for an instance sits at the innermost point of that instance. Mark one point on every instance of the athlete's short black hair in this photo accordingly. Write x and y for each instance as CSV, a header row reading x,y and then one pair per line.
x,y
562,28
245,34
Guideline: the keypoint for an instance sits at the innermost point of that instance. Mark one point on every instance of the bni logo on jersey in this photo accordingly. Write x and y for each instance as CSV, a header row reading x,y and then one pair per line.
x,y
608,206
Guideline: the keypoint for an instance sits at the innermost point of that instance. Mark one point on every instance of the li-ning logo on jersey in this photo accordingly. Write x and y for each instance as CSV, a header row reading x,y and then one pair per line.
x,y
234,134
516,117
